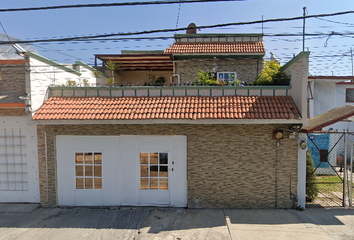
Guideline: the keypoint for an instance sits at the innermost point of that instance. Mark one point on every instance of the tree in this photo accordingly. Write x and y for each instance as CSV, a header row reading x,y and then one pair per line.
x,y
272,75
111,66
311,186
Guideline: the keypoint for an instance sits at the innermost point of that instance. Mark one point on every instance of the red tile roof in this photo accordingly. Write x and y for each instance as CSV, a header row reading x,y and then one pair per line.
x,y
216,47
168,107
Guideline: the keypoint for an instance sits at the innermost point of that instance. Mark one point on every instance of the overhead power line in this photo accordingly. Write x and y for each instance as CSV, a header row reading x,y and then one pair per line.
x,y
180,29
112,5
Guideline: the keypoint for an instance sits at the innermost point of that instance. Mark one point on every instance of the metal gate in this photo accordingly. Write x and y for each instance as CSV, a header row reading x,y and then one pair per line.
x,y
329,179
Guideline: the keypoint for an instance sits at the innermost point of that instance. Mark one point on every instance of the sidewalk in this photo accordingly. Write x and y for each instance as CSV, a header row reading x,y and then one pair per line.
x,y
29,222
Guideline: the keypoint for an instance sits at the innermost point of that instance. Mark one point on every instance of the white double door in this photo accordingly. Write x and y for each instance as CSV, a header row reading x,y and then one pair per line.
x,y
122,170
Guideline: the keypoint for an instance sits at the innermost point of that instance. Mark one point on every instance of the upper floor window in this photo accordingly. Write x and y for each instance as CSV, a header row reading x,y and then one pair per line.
x,y
227,76
349,96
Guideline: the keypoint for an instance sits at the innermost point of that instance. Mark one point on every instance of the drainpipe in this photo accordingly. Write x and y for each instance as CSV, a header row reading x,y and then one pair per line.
x,y
276,174
345,169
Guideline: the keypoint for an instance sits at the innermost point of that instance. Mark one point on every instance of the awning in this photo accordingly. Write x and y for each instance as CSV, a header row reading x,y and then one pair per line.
x,y
328,118
124,62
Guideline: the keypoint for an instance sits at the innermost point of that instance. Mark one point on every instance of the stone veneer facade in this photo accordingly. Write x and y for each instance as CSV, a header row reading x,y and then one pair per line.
x,y
247,69
229,166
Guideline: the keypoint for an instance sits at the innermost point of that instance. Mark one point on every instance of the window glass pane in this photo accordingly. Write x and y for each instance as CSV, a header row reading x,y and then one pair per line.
x,y
79,158
220,76
154,171
88,183
144,171
144,183
163,158
98,183
350,95
153,158
163,171
79,170
88,170
154,183
163,183
98,158
88,158
98,170
144,158
79,183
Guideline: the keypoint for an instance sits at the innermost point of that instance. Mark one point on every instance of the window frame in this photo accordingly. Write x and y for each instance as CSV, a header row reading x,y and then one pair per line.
x,y
235,76
93,165
158,165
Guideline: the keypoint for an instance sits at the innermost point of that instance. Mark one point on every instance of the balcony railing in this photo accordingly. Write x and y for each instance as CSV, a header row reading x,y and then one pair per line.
x,y
137,91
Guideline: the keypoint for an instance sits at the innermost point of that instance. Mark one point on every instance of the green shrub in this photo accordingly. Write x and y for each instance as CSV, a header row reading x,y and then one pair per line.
x,y
271,75
311,186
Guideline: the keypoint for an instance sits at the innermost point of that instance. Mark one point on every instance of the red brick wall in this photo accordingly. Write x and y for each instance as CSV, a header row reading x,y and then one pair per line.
x,y
12,76
12,112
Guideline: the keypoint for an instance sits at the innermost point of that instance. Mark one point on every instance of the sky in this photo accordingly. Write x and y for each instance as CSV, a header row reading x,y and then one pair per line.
x,y
330,54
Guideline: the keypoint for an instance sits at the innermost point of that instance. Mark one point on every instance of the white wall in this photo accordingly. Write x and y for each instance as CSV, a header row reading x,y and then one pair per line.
x,y
43,75
324,96
301,184
298,71
328,95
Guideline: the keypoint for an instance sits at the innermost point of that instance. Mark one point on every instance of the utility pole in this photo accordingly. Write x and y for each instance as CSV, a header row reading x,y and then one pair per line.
x,y
351,54
303,32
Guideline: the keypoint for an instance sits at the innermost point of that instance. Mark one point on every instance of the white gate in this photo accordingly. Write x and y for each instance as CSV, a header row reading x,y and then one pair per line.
x,y
18,161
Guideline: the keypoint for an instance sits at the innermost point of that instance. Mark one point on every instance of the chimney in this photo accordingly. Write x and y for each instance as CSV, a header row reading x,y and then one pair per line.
x,y
192,29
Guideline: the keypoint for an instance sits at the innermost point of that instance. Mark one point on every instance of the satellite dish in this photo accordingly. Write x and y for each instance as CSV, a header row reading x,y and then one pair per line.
x,y
192,29
11,50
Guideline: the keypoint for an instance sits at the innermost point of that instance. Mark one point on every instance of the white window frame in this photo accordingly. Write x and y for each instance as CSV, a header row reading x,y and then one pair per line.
x,y
226,73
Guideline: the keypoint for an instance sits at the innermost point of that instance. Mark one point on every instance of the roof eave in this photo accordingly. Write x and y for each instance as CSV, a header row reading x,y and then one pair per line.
x,y
171,121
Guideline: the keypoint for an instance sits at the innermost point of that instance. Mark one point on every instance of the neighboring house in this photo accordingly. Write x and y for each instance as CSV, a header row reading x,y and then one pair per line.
x,y
328,92
18,146
174,146
227,55
24,80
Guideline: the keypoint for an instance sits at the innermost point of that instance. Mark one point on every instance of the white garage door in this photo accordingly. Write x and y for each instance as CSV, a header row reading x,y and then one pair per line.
x,y
125,170
18,161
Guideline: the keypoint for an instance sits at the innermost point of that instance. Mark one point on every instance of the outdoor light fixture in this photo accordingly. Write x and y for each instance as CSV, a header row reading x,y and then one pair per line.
x,y
277,134
303,145
27,100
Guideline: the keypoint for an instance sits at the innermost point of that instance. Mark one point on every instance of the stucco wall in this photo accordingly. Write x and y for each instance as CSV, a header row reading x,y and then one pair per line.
x,y
43,75
298,70
231,166
327,95
247,69
324,96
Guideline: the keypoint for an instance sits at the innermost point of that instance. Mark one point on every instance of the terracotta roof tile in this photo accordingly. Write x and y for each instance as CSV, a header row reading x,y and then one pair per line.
x,y
216,47
167,107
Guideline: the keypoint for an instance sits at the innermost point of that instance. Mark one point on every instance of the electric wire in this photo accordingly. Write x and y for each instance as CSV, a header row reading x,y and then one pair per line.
x,y
112,5
180,29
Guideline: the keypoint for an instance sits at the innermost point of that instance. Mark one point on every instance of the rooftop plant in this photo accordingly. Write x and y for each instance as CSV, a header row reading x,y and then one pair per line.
x,y
272,75
209,78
